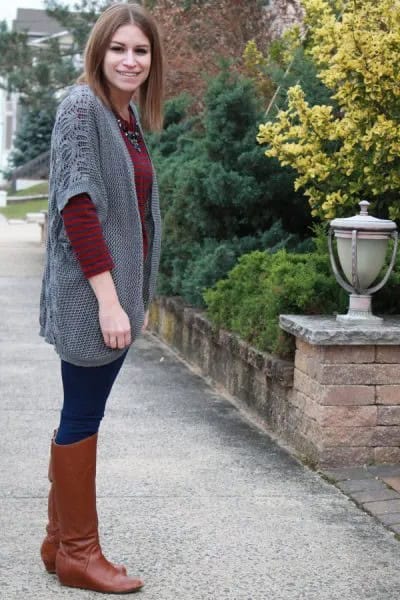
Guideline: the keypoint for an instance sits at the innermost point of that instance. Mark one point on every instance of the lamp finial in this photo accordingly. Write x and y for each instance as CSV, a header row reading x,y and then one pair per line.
x,y
364,204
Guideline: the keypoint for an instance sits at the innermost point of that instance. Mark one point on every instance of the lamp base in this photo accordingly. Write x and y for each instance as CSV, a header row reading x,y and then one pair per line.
x,y
360,312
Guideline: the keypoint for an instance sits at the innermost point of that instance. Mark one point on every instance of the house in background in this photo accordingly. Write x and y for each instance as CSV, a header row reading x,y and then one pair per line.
x,y
39,27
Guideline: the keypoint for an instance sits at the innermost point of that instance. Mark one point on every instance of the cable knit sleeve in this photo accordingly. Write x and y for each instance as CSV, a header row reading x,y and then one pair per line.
x,y
75,152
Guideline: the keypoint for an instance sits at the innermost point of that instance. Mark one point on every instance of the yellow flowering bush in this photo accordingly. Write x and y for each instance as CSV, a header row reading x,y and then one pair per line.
x,y
255,65
259,67
350,150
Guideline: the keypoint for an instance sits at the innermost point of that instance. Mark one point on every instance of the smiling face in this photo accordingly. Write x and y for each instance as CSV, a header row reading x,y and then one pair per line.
x,y
127,62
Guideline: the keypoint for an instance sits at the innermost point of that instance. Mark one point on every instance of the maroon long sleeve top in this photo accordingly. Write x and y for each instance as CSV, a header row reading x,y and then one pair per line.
x,y
80,216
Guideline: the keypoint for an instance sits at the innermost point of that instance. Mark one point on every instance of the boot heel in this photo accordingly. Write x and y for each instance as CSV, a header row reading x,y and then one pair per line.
x,y
48,552
50,568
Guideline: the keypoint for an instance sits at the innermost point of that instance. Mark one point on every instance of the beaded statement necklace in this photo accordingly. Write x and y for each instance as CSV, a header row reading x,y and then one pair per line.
x,y
132,136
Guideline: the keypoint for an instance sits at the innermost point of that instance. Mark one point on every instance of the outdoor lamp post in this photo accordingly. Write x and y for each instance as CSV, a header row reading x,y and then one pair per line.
x,y
362,243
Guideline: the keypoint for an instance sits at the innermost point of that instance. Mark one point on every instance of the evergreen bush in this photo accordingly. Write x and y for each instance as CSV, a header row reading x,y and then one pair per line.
x,y
220,197
263,285
34,134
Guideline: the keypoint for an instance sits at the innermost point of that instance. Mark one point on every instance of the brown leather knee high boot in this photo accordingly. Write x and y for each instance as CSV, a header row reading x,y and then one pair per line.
x,y
80,561
51,542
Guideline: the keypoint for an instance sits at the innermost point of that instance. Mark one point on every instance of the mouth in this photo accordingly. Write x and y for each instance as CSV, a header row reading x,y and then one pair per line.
x,y
128,74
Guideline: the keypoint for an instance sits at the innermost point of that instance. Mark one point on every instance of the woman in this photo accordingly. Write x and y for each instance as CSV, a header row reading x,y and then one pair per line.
x,y
103,253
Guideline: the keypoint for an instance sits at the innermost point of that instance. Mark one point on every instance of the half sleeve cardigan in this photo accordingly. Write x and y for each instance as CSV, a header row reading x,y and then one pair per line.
x,y
89,156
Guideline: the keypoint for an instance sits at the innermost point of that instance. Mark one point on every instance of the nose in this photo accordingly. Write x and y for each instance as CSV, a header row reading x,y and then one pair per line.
x,y
129,58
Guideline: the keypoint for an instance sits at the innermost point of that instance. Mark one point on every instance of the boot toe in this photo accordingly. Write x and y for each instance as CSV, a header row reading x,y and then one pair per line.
x,y
95,574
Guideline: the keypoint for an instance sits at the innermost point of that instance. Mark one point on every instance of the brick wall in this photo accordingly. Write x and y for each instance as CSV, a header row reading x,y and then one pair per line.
x,y
346,403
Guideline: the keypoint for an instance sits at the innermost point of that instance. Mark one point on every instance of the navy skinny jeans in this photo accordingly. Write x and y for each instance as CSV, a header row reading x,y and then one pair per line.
x,y
86,390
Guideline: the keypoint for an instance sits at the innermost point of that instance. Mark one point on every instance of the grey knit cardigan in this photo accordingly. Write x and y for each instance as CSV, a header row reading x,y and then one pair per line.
x,y
89,155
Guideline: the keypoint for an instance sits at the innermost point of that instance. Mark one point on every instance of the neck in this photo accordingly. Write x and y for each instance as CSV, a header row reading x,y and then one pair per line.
x,y
121,105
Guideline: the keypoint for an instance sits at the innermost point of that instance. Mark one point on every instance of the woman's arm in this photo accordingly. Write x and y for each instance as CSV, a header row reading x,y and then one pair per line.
x,y
114,322
85,234
86,237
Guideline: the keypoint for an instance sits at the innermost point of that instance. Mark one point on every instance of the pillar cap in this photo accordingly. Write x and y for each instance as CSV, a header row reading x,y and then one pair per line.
x,y
325,330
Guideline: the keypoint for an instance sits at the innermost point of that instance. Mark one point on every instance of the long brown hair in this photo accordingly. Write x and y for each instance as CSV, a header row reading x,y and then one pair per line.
x,y
151,91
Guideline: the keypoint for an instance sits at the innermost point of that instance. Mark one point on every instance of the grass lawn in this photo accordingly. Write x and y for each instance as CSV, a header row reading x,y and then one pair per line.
x,y
39,188
18,210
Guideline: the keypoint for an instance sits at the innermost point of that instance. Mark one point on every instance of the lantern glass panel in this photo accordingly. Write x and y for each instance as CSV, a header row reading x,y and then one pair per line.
x,y
370,258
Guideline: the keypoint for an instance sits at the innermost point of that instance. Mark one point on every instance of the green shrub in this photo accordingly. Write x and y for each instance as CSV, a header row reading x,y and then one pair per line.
x,y
263,285
199,265
220,197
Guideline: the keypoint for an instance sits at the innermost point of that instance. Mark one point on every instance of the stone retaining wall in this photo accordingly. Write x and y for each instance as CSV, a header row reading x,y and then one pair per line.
x,y
337,405
261,380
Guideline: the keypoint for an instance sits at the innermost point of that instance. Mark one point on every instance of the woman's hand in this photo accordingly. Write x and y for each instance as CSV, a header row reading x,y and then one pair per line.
x,y
114,322
115,326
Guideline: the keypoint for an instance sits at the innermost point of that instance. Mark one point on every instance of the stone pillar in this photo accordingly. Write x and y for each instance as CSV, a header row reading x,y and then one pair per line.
x,y
346,396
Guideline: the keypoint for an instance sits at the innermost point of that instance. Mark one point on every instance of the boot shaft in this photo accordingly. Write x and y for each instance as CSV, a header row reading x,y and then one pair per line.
x,y
74,475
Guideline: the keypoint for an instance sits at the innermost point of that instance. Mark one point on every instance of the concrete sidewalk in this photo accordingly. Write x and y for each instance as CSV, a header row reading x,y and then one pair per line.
x,y
192,497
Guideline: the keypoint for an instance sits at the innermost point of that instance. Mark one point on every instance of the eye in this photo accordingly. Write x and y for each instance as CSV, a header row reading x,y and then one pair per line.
x,y
141,51
116,48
